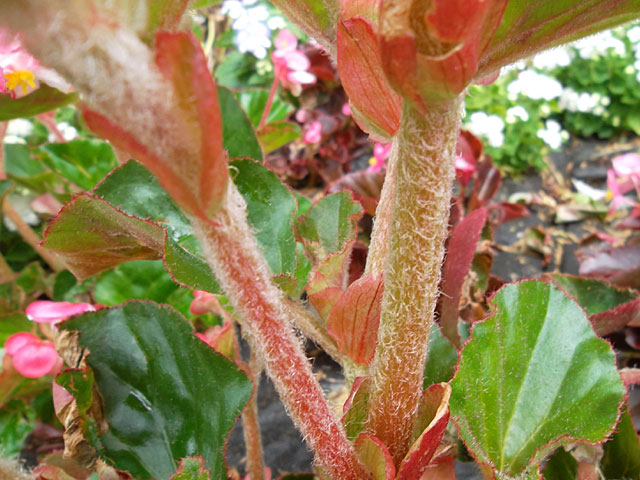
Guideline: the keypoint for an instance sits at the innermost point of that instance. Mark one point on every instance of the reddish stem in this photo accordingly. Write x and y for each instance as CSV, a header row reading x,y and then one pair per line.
x,y
267,107
232,251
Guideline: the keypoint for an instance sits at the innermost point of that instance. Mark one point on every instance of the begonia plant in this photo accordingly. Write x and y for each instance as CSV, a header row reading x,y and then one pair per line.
x,y
147,395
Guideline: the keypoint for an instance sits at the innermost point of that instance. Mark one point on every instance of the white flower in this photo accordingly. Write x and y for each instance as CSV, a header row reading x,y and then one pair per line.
x,y
517,112
489,126
557,57
584,102
535,85
598,45
17,130
552,134
634,34
253,35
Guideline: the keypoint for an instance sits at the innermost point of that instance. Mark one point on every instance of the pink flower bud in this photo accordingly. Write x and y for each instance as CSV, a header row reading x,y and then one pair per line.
x,y
313,134
43,311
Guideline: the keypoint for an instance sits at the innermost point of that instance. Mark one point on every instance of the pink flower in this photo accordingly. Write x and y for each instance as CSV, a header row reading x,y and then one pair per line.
x,y
32,357
346,109
313,134
43,311
616,193
378,162
290,64
19,71
627,169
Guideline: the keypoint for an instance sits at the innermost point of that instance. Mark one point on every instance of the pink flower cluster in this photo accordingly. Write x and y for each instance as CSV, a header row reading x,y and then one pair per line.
x,y
623,178
31,356
291,66
381,153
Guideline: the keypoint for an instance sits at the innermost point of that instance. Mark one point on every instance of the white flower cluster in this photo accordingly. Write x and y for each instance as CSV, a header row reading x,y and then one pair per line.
x,y
583,102
534,85
252,24
600,44
489,126
553,135
634,35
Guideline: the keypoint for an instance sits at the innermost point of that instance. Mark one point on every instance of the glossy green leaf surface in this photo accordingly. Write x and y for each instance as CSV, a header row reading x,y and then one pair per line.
x,y
167,395
238,135
137,192
533,376
622,452
40,100
442,357
83,162
271,208
595,296
329,224
24,169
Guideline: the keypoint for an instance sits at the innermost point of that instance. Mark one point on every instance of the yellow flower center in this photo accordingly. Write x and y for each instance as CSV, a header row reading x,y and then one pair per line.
x,y
20,78
373,162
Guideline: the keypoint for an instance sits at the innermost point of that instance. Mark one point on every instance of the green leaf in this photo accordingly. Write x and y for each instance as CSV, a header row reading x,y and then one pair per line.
x,y
271,209
254,101
191,469
25,170
137,192
277,134
609,308
40,100
15,425
83,162
141,280
92,236
329,224
167,395
533,376
595,296
622,452
13,323
561,466
442,357
238,135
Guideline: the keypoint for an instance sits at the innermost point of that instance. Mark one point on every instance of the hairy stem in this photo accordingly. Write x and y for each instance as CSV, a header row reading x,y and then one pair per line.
x,y
424,150
251,427
267,107
233,253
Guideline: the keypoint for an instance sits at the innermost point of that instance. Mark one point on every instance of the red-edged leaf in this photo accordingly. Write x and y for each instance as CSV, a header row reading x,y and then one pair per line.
x,y
110,236
354,319
486,184
376,107
609,308
365,185
440,470
120,138
182,61
375,457
504,212
356,406
434,412
632,222
460,251
328,280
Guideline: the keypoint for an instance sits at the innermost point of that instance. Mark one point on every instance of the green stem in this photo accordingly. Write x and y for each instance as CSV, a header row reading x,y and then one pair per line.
x,y
424,150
